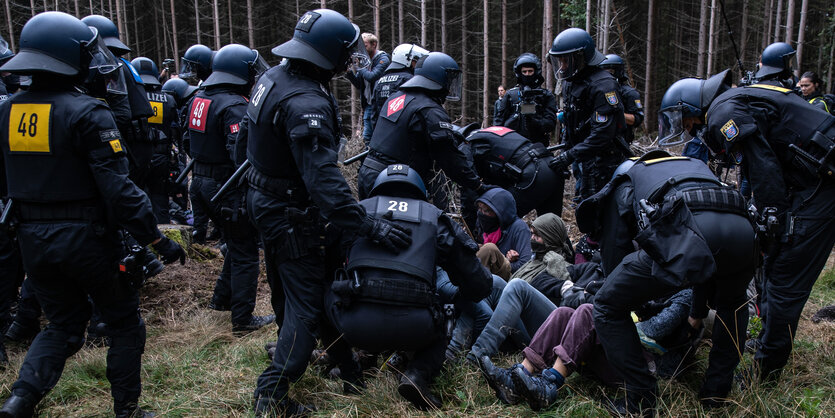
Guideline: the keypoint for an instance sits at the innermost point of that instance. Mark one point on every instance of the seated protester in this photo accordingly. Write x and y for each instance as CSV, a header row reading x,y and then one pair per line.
x,y
508,234
567,342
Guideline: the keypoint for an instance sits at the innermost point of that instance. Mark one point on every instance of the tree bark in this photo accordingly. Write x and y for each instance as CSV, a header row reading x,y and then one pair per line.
x,y
400,17
249,28
77,12
122,13
423,22
197,21
648,99
743,39
547,37
778,20
801,37
32,7
443,26
464,54
161,54
174,35
504,43
606,18
703,33
790,21
588,16
711,46
216,19
377,20
767,22
229,13
485,102
354,96
11,28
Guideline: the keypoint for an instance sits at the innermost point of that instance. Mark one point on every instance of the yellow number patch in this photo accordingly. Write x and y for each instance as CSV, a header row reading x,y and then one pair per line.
x,y
29,127
157,118
116,145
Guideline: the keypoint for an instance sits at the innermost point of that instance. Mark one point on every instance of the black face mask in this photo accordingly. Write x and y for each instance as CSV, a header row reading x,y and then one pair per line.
x,y
538,248
487,224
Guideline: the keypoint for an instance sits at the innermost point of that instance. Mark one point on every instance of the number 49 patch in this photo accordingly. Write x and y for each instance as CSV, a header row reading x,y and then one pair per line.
x,y
29,127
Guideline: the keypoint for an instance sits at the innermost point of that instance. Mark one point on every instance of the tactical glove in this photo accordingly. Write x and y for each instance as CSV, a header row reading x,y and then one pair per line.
x,y
561,162
388,234
169,251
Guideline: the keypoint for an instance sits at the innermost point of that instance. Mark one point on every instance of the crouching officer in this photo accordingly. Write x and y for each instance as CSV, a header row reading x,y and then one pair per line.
x,y
296,189
692,230
379,285
68,177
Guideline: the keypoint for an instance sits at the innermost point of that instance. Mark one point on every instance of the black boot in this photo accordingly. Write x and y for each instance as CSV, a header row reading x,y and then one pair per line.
x,y
352,381
633,405
270,348
500,381
19,406
255,322
132,410
22,332
415,388
4,358
268,407
540,391
198,236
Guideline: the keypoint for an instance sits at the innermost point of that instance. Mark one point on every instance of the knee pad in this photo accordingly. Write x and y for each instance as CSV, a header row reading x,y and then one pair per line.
x,y
72,338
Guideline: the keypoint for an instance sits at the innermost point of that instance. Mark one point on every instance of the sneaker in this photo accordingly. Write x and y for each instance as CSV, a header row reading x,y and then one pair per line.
x,y
500,381
255,323
540,391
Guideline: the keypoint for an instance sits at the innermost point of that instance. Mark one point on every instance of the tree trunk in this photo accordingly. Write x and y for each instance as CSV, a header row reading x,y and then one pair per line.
x,y
606,18
249,29
109,8
778,20
767,22
790,21
157,36
743,39
831,63
11,28
485,102
801,37
174,35
197,21
400,17
32,7
77,12
622,39
355,123
711,45
161,54
216,19
121,15
504,43
703,33
464,53
229,12
135,24
648,102
393,37
443,26
423,22
547,37
588,16
377,20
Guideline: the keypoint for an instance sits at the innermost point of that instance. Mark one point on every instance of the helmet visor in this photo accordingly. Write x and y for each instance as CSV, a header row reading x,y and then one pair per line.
x,y
104,68
671,128
566,65
4,46
454,86
188,69
260,65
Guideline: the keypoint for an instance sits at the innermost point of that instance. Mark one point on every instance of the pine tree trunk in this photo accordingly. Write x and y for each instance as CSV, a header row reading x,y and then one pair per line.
x,y
547,38
174,36
377,20
504,42
400,17
606,18
778,21
443,26
423,22
767,22
464,53
703,33
229,13
32,7
135,24
77,12
790,22
485,101
743,39
122,16
216,21
249,28
197,21
588,16
355,123
648,99
11,28
711,45
801,36
831,63
161,54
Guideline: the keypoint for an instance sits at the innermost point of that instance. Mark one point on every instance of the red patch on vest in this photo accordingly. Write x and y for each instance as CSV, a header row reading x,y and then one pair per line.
x,y
234,128
498,130
199,114
396,104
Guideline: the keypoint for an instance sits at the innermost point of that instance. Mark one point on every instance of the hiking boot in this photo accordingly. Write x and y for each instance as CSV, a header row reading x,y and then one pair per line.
x,y
255,323
19,406
500,381
415,389
20,332
540,391
219,306
132,410
268,407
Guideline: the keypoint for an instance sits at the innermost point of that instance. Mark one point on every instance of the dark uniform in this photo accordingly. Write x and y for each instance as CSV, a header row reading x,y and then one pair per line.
x,y
132,112
214,120
692,231
389,83
415,130
164,129
535,121
632,105
764,125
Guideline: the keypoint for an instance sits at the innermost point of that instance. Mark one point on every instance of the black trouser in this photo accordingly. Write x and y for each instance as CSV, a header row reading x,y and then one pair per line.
x,y
540,188
11,276
598,171
28,308
790,274
139,157
632,283
66,262
238,281
298,284
158,185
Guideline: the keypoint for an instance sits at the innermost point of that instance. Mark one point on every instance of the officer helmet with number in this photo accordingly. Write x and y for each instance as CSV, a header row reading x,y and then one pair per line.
x,y
404,55
437,72
109,33
399,180
5,52
180,89
777,59
327,40
236,65
147,69
572,50
196,63
688,97
531,61
615,63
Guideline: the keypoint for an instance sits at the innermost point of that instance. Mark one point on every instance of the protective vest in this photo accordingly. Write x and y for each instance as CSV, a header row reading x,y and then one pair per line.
x,y
503,146
653,179
416,262
268,147
208,137
392,136
388,84
579,103
39,142
165,115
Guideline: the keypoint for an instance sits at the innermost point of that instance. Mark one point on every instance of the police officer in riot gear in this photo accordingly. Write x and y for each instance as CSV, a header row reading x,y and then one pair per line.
x,y
593,110
786,153
196,64
164,128
296,189
379,284
214,119
67,174
633,108
414,129
402,67
527,108
692,231
776,66
182,93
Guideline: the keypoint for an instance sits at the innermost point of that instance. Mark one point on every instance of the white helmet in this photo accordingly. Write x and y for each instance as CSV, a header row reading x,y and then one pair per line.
x,y
404,55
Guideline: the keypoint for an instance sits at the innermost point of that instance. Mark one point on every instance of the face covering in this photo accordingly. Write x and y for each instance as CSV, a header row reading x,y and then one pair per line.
x,y
487,223
538,248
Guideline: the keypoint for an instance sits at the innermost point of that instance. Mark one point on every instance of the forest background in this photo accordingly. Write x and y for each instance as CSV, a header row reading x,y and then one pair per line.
x,y
661,41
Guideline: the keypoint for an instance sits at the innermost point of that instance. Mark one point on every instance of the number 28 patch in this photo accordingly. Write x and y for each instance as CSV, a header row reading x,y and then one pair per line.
x,y
29,127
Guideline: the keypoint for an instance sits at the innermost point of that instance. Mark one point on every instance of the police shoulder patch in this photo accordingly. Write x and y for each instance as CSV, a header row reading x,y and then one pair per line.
x,y
612,98
600,118
314,120
638,104
396,104
730,130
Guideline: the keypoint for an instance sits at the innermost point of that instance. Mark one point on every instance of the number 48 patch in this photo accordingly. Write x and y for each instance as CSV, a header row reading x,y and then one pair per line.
x,y
29,127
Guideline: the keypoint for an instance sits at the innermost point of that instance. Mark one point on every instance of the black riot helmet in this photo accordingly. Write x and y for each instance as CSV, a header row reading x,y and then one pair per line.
x,y
688,97
109,33
615,63
180,89
777,61
531,61
327,40
147,69
236,65
196,63
399,180
437,72
573,49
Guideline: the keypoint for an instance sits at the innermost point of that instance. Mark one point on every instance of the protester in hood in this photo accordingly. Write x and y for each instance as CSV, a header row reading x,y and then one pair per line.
x,y
506,237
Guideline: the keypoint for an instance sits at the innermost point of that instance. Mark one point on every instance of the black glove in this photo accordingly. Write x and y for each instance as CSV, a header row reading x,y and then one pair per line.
x,y
388,234
169,251
484,188
561,163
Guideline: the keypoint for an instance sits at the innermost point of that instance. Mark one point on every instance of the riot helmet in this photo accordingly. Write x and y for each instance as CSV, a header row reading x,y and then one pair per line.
x,y
5,52
615,63
237,65
180,89
109,33
573,49
147,69
528,60
437,72
405,55
399,180
327,40
196,63
777,60
688,97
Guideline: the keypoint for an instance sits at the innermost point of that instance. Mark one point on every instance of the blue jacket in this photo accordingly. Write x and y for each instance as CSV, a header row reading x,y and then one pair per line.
x,y
364,79
515,232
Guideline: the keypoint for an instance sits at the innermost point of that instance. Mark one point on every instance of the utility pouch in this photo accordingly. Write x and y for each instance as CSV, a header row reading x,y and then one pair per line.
x,y
304,233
